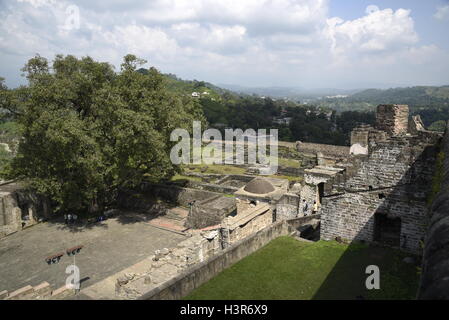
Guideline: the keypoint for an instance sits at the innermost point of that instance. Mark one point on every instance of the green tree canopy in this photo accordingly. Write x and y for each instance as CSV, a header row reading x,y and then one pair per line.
x,y
89,131
439,125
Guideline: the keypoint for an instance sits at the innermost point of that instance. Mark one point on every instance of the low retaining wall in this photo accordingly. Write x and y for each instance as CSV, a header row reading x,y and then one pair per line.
x,y
212,187
435,266
180,195
192,278
181,285
290,171
295,223
43,291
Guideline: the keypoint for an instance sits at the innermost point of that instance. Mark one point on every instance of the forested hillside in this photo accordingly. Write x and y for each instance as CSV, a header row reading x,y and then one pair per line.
x,y
432,103
328,121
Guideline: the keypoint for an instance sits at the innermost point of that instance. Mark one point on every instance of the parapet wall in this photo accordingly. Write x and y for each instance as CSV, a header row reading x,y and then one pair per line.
x,y
43,291
181,285
169,192
327,150
435,265
210,212
392,182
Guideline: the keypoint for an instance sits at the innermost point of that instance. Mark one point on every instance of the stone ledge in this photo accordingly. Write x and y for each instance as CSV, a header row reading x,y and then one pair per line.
x,y
3,294
21,293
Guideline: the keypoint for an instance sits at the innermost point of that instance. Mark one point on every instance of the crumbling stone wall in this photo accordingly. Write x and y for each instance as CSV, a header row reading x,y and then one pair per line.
x,y
360,135
290,171
210,212
42,291
388,185
360,140
288,207
167,264
327,150
435,265
251,227
182,284
309,198
20,208
212,187
392,118
394,180
169,192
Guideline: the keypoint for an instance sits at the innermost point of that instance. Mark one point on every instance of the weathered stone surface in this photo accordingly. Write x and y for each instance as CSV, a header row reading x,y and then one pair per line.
x,y
358,149
3,294
203,245
435,266
288,207
21,293
326,149
393,180
210,212
62,293
20,208
43,290
392,118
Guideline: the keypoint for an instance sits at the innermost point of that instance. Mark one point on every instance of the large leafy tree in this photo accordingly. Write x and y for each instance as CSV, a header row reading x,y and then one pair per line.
x,y
89,131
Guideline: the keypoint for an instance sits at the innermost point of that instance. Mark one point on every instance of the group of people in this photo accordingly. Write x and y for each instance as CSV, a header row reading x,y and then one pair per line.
x,y
305,208
70,218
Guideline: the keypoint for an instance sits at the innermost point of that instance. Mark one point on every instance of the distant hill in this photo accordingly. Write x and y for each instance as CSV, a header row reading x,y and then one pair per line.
x,y
292,93
187,87
413,96
431,102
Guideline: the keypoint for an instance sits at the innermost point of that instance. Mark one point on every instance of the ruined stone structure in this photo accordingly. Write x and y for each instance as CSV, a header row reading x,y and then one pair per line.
x,y
384,198
204,244
210,212
43,291
288,207
376,191
325,154
435,264
393,119
20,208
250,218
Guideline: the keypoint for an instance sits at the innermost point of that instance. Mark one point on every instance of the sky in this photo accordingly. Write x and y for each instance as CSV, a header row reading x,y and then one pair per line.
x,y
344,44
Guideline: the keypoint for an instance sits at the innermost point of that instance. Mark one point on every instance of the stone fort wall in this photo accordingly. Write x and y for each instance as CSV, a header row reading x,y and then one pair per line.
x,y
182,284
435,265
20,208
394,181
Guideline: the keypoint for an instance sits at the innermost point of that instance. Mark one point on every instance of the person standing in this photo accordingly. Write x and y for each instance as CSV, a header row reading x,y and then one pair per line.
x,y
305,207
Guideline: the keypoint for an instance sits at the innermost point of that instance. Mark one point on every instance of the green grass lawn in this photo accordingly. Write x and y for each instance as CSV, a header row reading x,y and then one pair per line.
x,y
290,269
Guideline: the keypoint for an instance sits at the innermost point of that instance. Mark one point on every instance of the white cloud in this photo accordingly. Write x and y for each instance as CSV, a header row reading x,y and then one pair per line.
x,y
253,42
38,3
378,31
442,13
140,40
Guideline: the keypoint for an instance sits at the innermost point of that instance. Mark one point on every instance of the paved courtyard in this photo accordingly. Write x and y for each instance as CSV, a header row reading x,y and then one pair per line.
x,y
109,247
